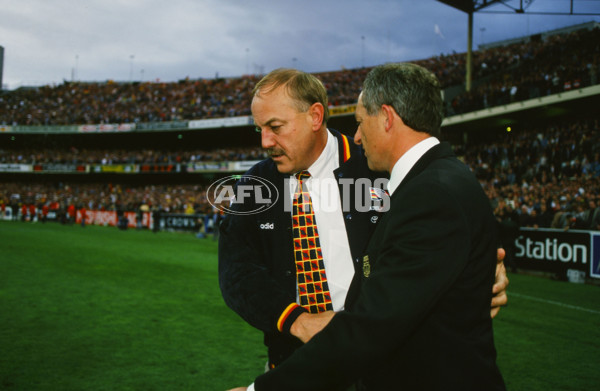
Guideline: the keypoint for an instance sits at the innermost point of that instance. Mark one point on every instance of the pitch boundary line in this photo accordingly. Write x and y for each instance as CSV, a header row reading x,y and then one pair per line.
x,y
574,307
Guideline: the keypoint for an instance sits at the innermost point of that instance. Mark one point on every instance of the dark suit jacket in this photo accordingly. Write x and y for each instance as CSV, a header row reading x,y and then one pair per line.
x,y
257,272
421,320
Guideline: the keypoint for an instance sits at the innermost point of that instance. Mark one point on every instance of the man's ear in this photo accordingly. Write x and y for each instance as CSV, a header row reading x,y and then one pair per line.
x,y
390,116
317,112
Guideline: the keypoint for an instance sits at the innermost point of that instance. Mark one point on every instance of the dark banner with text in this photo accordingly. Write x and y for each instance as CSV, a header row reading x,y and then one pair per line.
x,y
566,253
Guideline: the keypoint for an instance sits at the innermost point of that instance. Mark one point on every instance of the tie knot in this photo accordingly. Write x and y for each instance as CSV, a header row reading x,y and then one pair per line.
x,y
303,175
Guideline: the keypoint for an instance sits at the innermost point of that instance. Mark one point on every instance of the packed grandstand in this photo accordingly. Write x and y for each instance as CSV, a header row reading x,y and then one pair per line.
x,y
545,175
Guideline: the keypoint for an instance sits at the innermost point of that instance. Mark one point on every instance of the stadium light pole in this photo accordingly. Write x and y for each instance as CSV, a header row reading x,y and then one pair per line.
x,y
247,61
469,53
131,57
363,50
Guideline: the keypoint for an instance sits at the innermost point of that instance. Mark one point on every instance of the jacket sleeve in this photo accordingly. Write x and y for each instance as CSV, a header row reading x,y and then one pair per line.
x,y
252,282
421,253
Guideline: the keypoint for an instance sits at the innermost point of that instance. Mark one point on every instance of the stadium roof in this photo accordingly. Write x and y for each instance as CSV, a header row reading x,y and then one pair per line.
x,y
511,6
469,6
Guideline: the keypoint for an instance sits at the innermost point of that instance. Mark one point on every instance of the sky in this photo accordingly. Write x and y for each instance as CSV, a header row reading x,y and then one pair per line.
x,y
52,41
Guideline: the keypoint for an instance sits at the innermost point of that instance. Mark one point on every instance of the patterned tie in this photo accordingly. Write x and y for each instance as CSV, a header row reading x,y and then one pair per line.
x,y
313,289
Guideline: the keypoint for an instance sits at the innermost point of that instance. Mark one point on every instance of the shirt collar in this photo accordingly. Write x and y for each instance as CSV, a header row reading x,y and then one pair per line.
x,y
328,159
408,160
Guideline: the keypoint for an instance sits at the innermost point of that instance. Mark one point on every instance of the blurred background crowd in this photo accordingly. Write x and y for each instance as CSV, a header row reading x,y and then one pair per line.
x,y
545,175
501,75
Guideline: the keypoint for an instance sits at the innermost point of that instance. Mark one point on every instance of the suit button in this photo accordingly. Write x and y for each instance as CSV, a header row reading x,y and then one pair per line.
x,y
288,273
348,216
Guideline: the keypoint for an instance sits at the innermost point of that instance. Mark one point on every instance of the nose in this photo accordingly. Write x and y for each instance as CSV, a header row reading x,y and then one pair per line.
x,y
267,139
358,136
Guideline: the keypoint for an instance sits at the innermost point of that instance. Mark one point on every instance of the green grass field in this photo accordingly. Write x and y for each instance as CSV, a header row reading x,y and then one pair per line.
x,y
96,308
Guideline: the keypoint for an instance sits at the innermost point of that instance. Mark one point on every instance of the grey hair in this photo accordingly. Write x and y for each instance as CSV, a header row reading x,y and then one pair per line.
x,y
413,92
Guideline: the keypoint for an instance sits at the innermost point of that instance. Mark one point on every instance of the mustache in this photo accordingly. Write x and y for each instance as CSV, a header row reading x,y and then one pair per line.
x,y
275,151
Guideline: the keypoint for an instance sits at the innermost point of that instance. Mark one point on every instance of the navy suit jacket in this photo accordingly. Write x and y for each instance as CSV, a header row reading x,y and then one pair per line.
x,y
421,319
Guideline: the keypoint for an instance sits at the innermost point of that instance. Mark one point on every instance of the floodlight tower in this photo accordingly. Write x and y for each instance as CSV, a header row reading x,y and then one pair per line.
x,y
514,7
470,7
1,64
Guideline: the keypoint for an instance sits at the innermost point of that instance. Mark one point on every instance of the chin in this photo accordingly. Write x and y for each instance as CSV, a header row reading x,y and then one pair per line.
x,y
284,168
285,165
373,166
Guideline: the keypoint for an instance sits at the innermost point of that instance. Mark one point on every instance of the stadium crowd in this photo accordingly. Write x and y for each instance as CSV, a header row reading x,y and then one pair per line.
x,y
503,74
542,178
548,176
560,63
539,177
37,199
74,155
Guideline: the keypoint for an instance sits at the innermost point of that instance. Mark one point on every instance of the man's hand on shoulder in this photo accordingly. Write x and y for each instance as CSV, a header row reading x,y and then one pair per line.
x,y
499,298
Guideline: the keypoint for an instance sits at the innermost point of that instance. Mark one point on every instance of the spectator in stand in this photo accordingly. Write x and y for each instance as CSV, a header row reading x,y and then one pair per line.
x,y
595,221
45,210
83,214
24,212
71,213
545,216
508,223
32,213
